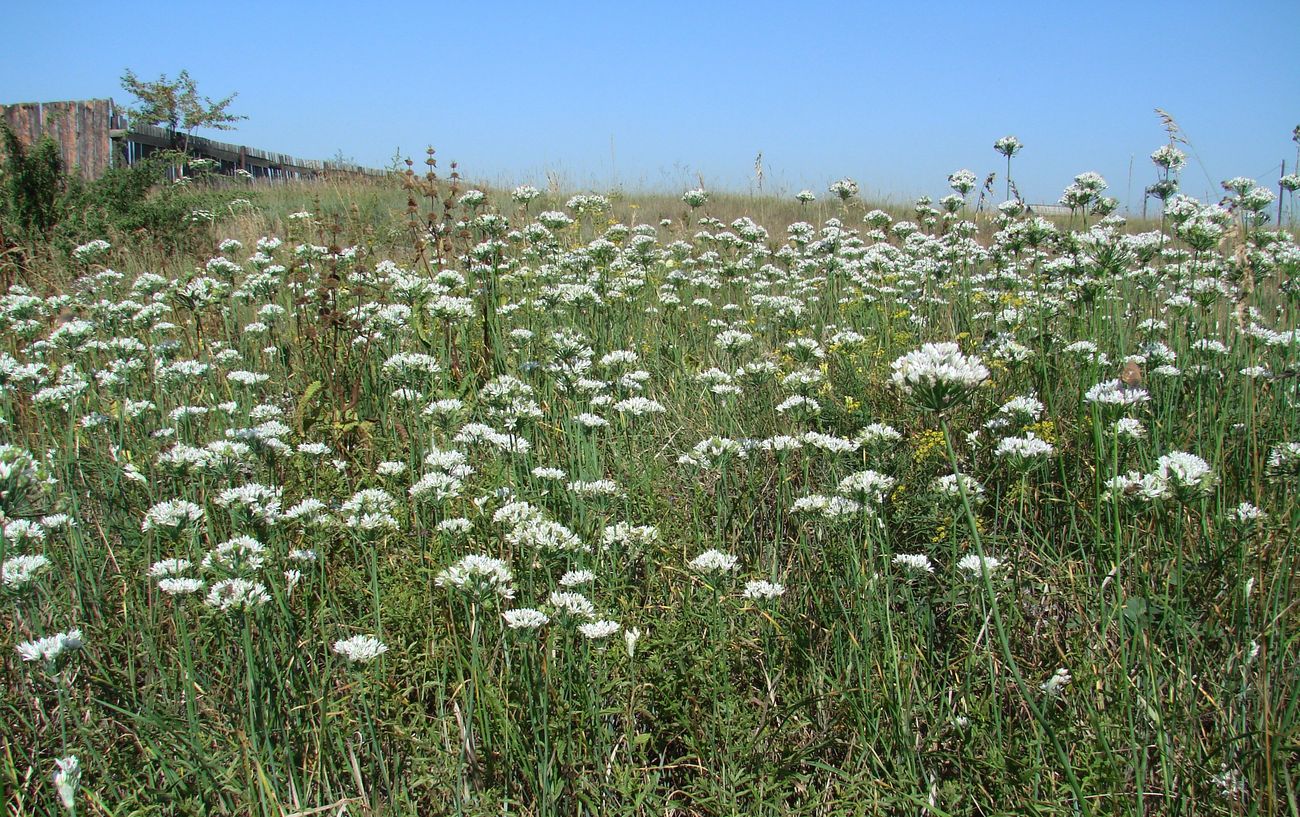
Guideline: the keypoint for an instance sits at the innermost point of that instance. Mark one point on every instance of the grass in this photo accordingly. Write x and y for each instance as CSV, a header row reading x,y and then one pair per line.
x,y
592,419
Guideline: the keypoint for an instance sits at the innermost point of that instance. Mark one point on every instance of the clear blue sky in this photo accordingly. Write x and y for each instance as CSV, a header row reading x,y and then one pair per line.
x,y
648,95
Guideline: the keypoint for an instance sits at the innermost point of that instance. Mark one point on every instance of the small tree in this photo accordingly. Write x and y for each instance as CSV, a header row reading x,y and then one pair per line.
x,y
177,105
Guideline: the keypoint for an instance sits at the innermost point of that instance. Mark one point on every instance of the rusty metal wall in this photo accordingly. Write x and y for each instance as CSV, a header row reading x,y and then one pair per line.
x,y
80,128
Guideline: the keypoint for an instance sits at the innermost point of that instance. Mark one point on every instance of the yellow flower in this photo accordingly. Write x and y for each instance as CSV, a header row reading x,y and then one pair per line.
x,y
925,444
1044,430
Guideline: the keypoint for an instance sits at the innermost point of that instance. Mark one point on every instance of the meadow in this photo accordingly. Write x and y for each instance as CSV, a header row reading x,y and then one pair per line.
x,y
410,498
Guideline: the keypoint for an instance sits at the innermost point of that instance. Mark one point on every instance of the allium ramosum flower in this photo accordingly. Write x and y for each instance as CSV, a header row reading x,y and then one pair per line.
x,y
973,565
360,648
760,590
596,630
481,577
1054,685
714,561
237,594
914,562
19,570
525,618
67,780
938,376
1188,474
50,648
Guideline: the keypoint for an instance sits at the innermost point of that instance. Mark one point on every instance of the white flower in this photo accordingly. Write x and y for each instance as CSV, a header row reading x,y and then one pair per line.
x,y
639,406
577,578
938,375
546,536
19,570
524,193
1023,408
171,516
630,637
572,604
949,487
844,188
915,562
714,561
1284,459
479,576
1023,448
829,507
1129,429
18,532
67,779
970,564
168,567
436,486
1116,393
878,434
91,249
591,421
237,594
455,525
241,553
695,198
179,585
360,648
525,618
1186,471
760,590
867,486
50,647
599,487
1053,686
1246,512
595,630
621,533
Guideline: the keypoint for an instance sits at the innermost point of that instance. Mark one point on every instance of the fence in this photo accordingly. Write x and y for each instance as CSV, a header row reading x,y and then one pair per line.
x,y
94,135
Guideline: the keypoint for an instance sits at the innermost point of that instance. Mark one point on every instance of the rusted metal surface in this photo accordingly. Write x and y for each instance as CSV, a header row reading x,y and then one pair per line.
x,y
79,128
94,135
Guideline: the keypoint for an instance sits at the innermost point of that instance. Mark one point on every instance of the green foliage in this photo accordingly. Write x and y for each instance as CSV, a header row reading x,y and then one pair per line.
x,y
869,687
177,105
34,184
136,201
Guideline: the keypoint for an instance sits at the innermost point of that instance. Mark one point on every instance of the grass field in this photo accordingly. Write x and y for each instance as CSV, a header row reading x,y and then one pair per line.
x,y
415,501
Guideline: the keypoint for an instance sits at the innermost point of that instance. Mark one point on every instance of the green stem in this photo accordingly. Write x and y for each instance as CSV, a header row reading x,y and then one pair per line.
x,y
1003,643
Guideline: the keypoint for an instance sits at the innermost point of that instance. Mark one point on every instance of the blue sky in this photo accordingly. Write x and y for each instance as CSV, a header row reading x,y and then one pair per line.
x,y
639,95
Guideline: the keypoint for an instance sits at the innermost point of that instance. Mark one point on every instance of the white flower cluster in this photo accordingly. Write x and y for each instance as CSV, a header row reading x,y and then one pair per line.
x,y
938,375
360,648
18,571
714,561
479,576
1116,393
50,648
1178,476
